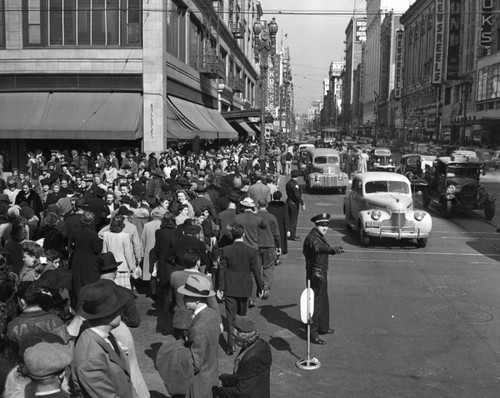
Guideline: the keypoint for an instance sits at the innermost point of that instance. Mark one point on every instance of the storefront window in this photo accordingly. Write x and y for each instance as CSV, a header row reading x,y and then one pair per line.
x,y
488,84
83,23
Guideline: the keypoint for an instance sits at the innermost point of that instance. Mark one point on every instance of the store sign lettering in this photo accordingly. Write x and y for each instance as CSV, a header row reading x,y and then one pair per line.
x,y
486,23
437,75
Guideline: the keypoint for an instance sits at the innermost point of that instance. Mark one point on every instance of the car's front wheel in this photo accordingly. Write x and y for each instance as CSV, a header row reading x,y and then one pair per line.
x,y
421,242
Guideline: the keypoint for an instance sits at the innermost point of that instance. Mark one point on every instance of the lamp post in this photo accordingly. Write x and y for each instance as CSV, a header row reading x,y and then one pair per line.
x,y
264,45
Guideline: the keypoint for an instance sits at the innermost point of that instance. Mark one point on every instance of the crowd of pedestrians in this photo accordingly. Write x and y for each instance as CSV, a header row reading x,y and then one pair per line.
x,y
82,235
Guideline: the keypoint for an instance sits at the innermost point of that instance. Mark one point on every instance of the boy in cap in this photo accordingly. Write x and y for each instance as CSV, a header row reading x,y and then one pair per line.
x,y
203,336
46,364
316,251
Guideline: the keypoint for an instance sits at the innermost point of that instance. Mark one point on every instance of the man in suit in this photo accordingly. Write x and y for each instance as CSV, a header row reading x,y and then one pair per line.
x,y
259,190
269,246
99,367
182,316
238,261
203,336
293,201
180,245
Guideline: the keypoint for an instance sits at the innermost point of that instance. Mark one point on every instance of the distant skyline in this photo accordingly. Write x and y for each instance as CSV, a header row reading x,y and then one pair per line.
x,y
314,41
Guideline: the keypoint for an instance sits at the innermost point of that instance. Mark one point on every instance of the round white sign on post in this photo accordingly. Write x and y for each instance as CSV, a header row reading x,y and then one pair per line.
x,y
305,313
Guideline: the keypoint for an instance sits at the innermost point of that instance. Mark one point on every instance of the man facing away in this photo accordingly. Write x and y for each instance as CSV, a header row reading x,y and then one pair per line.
x,y
238,262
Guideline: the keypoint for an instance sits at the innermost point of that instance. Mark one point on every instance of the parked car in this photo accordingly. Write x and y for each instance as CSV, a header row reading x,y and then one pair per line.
x,y
381,160
494,160
453,182
380,205
322,170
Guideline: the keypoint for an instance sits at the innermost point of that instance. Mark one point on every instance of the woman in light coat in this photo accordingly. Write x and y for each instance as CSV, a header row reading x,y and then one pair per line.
x,y
120,244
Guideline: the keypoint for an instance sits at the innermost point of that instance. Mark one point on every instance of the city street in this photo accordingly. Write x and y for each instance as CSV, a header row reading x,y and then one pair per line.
x,y
409,322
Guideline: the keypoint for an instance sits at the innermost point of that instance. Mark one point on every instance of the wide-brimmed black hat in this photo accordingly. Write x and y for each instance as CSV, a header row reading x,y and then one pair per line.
x,y
124,211
106,262
189,228
101,299
55,279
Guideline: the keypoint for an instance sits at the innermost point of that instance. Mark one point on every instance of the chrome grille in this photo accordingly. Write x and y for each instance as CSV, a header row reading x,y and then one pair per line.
x,y
397,223
468,193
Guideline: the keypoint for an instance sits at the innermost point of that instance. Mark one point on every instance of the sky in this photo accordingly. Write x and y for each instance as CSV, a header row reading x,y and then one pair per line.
x,y
314,41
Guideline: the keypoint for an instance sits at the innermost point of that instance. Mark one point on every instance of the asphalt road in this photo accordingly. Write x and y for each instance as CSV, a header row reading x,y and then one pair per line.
x,y
409,322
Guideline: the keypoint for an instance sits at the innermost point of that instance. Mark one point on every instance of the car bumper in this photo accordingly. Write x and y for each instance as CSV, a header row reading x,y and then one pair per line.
x,y
398,233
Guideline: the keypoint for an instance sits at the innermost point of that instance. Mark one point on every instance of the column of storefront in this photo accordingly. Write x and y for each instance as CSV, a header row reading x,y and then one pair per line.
x,y
154,76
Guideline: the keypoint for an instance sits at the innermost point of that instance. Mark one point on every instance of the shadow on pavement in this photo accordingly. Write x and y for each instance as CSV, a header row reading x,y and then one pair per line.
x,y
274,314
152,351
280,344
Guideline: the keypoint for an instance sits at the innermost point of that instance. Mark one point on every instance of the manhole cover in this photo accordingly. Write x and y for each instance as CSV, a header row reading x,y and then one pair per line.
x,y
461,313
447,291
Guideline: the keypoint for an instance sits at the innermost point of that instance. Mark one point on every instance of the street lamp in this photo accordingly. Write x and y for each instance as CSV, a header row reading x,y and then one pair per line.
x,y
265,45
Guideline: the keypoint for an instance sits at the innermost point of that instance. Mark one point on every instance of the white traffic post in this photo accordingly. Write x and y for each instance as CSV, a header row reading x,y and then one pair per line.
x,y
306,314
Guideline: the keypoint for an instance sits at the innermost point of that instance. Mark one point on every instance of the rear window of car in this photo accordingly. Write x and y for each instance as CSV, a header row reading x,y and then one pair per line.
x,y
387,186
326,160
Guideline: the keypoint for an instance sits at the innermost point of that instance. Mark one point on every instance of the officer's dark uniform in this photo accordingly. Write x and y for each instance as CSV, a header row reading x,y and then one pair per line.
x,y
293,201
316,251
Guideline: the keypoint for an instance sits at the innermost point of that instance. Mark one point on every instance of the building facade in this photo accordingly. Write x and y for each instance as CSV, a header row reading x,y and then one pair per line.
x,y
122,73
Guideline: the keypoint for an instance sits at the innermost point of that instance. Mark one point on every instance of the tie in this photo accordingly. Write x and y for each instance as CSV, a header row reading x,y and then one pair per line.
x,y
113,342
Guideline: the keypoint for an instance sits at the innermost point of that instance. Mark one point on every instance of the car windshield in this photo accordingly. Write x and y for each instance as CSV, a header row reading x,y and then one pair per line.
x,y
466,172
387,186
326,160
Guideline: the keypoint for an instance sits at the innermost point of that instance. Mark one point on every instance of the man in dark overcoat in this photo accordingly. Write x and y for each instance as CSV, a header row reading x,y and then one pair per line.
x,y
316,251
293,202
238,262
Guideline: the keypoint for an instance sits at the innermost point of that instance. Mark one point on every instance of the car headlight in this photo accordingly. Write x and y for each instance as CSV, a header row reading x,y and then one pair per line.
x,y
390,161
341,178
419,215
376,215
458,188
451,189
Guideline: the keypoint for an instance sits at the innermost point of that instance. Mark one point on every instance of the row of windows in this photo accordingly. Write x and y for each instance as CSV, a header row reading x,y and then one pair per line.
x,y
49,23
189,41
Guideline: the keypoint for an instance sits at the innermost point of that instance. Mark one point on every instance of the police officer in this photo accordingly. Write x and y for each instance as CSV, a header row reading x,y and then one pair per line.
x,y
316,251
293,201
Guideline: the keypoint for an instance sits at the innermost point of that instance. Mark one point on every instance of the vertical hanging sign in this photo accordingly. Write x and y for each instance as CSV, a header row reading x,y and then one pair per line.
x,y
452,70
437,72
486,23
398,75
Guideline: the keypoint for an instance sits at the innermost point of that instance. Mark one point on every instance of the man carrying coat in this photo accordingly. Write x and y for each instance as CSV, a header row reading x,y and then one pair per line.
x,y
316,251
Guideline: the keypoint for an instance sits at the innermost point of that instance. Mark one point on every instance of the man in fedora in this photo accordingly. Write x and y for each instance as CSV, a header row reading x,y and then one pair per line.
x,y
100,367
181,318
226,218
203,336
107,267
316,251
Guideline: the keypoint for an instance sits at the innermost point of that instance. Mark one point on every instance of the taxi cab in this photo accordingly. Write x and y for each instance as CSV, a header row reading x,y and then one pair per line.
x,y
380,205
